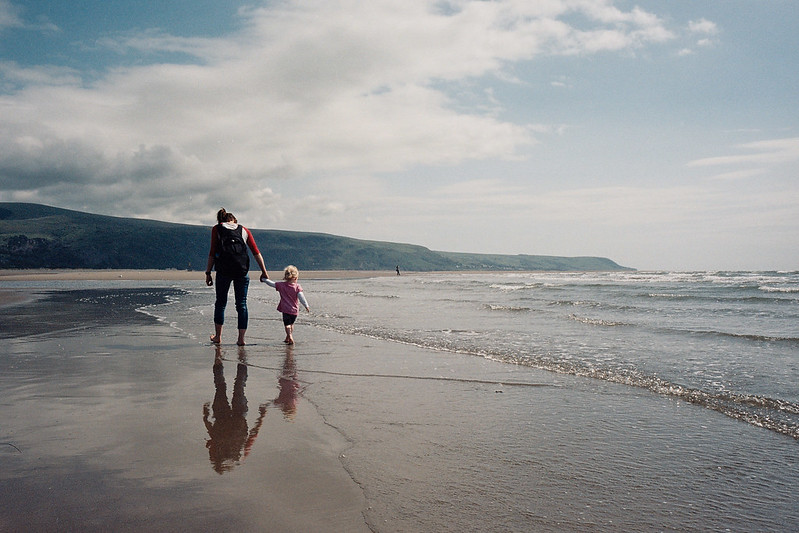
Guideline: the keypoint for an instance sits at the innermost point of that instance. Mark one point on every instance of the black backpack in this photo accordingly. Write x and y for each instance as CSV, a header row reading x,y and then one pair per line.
x,y
232,259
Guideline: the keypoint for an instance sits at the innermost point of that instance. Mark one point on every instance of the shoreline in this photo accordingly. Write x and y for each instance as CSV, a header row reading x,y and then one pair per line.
x,y
12,296
85,274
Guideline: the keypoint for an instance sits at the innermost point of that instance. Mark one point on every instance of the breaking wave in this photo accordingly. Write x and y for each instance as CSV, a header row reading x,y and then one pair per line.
x,y
773,414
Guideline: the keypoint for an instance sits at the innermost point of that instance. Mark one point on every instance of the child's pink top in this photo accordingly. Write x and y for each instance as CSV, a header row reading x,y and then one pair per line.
x,y
289,299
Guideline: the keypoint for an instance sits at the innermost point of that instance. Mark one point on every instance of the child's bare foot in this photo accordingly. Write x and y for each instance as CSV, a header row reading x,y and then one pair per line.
x,y
215,339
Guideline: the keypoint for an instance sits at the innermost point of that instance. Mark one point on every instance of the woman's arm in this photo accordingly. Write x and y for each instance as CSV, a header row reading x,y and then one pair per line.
x,y
211,254
256,253
260,260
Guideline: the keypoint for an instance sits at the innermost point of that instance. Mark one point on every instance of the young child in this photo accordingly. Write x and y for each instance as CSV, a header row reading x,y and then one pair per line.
x,y
291,296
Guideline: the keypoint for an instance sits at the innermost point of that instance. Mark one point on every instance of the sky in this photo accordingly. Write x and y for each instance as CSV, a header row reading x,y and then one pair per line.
x,y
662,135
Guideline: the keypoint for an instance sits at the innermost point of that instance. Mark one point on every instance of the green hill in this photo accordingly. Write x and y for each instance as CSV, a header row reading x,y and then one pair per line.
x,y
39,236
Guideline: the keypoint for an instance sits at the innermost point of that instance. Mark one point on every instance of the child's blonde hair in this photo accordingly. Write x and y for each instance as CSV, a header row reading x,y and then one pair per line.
x,y
291,272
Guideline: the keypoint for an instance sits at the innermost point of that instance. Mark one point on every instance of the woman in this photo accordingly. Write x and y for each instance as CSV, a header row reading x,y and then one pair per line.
x,y
229,243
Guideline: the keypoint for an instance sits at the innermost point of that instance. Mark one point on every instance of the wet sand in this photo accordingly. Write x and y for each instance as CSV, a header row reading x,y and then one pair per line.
x,y
113,421
11,297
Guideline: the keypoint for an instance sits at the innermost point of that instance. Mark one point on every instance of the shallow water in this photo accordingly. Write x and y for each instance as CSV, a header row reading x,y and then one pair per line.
x,y
726,341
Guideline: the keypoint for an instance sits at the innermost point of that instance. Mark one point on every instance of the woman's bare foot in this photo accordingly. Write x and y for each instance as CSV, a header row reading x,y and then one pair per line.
x,y
216,339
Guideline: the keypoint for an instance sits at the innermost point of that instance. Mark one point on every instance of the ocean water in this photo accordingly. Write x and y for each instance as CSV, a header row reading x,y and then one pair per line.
x,y
727,341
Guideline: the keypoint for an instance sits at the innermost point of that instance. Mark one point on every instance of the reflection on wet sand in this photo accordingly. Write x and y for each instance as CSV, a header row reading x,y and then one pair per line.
x,y
229,440
289,386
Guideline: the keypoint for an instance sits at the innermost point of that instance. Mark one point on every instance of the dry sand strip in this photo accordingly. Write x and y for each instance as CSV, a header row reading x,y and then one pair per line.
x,y
169,275
10,297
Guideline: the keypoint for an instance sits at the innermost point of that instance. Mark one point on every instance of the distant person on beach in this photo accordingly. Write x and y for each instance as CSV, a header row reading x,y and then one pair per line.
x,y
291,296
398,272
229,243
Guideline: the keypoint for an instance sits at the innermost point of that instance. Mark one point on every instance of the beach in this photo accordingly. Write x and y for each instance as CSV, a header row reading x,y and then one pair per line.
x,y
8,296
103,429
119,414
168,275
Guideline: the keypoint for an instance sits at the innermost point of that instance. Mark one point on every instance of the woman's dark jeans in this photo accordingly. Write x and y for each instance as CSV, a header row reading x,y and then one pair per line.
x,y
239,290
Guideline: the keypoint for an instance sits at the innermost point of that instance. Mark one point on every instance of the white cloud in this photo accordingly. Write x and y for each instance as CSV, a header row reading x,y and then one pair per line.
x,y
14,77
735,175
152,41
703,26
765,154
304,88
9,16
704,31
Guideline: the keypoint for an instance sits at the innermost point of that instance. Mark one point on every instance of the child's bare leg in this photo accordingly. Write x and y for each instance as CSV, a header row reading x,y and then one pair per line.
x,y
240,342
217,338
290,334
